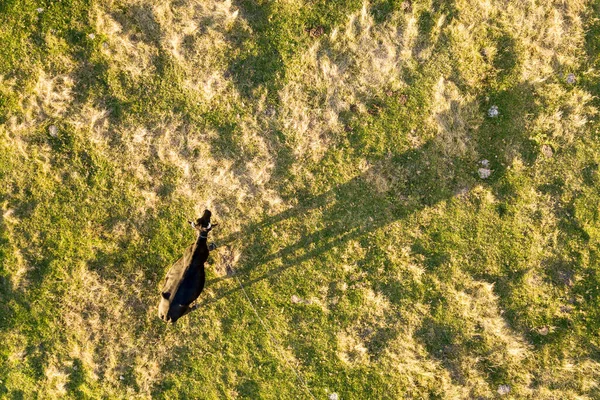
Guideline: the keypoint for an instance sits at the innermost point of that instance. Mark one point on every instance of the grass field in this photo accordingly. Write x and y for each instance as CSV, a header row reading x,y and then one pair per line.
x,y
343,147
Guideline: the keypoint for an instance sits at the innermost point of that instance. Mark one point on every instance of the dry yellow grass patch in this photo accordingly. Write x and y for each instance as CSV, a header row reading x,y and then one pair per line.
x,y
209,181
566,113
191,32
351,350
126,49
549,35
56,380
194,34
100,317
352,64
15,265
408,360
352,342
51,97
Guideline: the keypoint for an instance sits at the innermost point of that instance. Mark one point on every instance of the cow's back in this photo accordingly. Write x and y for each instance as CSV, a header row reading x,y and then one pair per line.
x,y
177,272
175,276
192,283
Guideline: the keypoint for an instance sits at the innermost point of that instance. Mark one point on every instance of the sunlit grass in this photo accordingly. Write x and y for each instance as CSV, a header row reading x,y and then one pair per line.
x,y
339,145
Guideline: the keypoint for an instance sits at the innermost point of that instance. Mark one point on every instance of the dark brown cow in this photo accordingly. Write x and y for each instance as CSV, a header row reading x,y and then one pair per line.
x,y
185,279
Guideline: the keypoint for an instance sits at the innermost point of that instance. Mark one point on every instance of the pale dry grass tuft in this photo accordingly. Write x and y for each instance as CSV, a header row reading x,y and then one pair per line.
x,y
455,116
94,121
15,264
351,350
352,342
56,380
53,95
566,114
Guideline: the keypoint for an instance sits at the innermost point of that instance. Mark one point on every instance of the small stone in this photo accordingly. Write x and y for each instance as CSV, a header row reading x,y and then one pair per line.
x,y
547,150
493,112
105,45
485,163
316,32
92,36
39,10
484,173
503,389
121,377
571,79
543,330
53,130
296,299
334,396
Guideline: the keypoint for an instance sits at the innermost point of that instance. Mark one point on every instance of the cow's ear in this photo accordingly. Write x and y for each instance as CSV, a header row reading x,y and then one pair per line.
x,y
166,295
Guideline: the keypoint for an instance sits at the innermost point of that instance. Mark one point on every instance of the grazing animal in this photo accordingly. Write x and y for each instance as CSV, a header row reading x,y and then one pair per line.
x,y
185,279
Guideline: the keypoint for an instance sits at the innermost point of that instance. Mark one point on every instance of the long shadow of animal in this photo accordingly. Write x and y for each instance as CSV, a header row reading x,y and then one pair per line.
x,y
185,280
414,179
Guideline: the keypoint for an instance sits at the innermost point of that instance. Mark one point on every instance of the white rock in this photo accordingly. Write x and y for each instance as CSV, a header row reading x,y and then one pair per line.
x,y
485,163
503,389
333,396
53,130
484,173
92,36
39,10
121,377
493,112
571,79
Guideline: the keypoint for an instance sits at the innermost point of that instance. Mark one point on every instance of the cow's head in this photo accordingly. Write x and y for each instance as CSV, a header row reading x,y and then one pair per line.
x,y
202,224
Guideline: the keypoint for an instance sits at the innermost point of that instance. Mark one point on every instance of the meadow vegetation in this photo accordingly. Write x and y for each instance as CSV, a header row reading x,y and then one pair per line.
x,y
338,144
